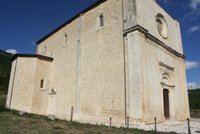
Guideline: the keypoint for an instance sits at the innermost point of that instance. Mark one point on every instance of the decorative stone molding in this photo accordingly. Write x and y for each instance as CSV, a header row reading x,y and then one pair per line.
x,y
166,85
166,66
154,39
166,82
162,25
135,28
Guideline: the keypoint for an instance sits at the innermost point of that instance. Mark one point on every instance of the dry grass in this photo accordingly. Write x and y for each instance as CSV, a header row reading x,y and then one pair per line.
x,y
13,123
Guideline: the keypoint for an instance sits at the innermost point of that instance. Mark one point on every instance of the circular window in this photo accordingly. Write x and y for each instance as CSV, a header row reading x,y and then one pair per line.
x,y
162,25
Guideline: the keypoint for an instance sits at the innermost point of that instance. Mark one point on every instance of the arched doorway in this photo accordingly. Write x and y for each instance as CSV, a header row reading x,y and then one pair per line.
x,y
166,104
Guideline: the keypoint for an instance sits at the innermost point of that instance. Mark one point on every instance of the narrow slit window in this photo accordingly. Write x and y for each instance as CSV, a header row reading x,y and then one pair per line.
x,y
45,49
65,40
101,20
42,83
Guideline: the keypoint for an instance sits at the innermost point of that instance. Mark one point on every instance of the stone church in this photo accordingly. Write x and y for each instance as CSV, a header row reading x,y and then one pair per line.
x,y
119,59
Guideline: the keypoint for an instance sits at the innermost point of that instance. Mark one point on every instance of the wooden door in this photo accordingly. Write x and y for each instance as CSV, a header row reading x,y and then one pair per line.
x,y
166,103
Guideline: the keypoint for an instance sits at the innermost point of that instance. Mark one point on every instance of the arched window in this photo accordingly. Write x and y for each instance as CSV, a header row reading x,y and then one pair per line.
x,y
101,21
45,49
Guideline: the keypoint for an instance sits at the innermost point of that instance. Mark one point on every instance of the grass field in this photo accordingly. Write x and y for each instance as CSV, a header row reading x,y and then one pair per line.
x,y
12,123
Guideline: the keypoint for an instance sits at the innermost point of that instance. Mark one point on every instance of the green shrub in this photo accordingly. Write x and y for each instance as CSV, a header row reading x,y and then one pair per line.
x,y
2,102
5,67
194,99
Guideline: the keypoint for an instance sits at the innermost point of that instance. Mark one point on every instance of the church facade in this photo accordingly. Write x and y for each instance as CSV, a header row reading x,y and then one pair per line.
x,y
119,59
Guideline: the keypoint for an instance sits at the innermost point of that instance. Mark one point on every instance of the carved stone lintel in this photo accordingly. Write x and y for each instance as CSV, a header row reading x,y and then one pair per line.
x,y
166,66
166,85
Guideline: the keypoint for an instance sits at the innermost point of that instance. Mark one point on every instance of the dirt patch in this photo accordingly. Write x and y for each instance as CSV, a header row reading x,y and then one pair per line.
x,y
180,127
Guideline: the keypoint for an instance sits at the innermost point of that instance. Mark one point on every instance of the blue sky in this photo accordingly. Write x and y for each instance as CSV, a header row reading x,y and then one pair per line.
x,y
25,21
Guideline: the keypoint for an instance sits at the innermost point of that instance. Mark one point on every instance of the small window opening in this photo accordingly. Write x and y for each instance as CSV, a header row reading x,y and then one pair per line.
x,y
42,83
101,19
65,40
45,49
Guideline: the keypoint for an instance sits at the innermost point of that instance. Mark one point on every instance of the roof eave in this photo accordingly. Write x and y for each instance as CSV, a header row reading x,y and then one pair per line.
x,y
31,56
70,20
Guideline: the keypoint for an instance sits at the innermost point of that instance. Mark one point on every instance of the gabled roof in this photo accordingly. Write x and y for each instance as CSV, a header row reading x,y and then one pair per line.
x,y
70,20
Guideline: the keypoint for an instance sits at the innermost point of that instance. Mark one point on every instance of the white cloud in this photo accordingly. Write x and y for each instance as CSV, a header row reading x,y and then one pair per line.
x,y
191,65
12,51
195,28
195,3
34,42
195,10
193,85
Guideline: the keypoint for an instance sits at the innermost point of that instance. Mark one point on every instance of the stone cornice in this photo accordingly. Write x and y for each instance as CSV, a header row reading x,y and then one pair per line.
x,y
32,56
154,39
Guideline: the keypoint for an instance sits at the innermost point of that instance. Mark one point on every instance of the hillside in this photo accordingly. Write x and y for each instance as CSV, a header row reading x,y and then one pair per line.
x,y
194,99
5,66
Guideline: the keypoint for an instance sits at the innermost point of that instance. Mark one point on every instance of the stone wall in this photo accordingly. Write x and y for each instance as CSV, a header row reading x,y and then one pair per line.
x,y
146,17
116,71
21,84
145,81
40,98
88,71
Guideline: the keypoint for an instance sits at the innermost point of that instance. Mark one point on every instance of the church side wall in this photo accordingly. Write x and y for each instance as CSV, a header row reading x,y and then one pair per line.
x,y
23,74
102,65
40,99
88,71
184,91
64,67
